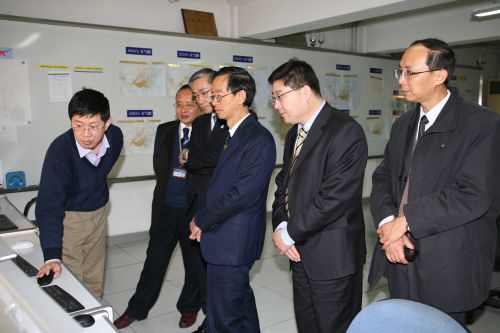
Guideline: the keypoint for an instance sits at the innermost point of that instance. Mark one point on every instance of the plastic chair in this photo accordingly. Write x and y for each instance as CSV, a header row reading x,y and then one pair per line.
x,y
399,315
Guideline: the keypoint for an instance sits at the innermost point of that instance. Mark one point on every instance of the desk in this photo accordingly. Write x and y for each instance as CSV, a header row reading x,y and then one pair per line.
x,y
15,279
7,208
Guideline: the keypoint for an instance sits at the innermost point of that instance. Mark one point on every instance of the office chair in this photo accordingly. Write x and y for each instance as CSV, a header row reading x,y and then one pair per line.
x,y
494,298
399,315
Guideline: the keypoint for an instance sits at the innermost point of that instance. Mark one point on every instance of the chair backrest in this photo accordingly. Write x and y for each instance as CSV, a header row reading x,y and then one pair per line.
x,y
399,315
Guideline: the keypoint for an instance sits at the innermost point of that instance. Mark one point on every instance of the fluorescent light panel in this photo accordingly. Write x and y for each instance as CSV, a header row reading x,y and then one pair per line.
x,y
488,11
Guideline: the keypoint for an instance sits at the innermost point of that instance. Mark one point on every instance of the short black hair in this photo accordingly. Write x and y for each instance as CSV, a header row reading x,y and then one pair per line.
x,y
295,74
440,56
238,79
204,72
183,87
89,102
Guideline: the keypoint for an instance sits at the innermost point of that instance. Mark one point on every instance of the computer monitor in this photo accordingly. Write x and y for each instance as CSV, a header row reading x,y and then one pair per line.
x,y
24,307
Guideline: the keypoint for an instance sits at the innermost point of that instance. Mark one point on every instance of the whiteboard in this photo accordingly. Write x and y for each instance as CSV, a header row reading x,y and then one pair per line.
x,y
95,57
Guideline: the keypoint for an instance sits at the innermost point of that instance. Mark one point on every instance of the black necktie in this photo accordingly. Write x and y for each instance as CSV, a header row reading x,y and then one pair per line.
x,y
421,127
228,138
185,138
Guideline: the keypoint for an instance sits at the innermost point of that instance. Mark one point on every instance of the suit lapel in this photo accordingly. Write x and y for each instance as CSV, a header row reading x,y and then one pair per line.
x,y
289,145
233,145
405,147
207,125
447,119
313,135
169,135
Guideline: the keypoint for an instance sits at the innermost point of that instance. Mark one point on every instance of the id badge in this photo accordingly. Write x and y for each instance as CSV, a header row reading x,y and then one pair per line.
x,y
179,173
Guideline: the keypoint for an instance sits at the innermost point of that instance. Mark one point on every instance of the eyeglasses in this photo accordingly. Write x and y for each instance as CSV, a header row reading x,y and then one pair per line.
x,y
398,73
82,129
279,97
188,106
204,94
218,97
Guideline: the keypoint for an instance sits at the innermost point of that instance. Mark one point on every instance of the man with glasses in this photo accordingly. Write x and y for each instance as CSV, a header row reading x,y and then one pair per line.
x,y
434,197
200,159
317,210
232,220
72,203
168,218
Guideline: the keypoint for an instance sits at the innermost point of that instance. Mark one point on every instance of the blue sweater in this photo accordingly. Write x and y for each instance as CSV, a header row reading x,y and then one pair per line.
x,y
71,183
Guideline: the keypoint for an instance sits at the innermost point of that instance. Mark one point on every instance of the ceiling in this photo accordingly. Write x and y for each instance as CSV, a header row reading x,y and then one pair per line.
x,y
278,19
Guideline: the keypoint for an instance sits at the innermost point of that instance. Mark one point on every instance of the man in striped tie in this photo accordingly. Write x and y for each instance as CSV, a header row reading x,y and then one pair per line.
x,y
317,212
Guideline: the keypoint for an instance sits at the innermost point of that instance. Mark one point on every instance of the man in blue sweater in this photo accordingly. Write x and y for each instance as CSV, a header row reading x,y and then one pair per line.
x,y
72,204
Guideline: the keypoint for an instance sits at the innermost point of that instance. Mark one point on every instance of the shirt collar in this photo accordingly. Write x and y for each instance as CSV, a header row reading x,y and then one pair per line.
x,y
85,151
307,126
433,113
235,127
181,130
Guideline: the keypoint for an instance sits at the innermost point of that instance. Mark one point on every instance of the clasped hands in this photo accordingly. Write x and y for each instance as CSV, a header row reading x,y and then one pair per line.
x,y
289,250
392,236
195,231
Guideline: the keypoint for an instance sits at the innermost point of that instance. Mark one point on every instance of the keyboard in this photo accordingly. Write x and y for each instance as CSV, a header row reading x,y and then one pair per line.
x,y
6,223
65,300
25,266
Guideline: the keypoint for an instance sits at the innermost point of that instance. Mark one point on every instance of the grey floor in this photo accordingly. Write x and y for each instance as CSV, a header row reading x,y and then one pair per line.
x,y
270,280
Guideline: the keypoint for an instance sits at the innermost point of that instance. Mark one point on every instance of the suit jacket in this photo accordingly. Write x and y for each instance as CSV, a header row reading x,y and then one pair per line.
x,y
166,134
205,146
324,194
452,203
233,221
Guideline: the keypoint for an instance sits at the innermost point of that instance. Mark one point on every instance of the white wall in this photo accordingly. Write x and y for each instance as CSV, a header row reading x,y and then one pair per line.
x,y
144,14
131,202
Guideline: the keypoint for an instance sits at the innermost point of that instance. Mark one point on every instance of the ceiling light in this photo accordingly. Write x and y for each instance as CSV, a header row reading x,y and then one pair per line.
x,y
485,13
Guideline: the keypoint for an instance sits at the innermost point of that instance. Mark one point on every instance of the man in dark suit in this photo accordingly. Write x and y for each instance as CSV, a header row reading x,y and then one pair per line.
x,y
168,220
207,140
200,159
317,212
232,222
436,190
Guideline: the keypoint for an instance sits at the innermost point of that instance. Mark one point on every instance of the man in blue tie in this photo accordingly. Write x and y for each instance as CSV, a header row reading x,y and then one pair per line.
x,y
168,220
232,221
